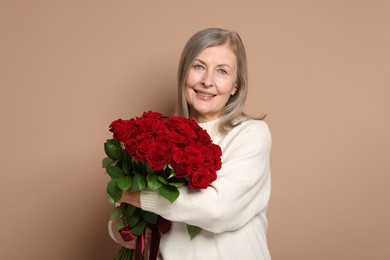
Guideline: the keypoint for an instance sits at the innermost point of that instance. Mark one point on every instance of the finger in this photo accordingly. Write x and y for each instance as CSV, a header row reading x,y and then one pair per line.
x,y
130,244
148,233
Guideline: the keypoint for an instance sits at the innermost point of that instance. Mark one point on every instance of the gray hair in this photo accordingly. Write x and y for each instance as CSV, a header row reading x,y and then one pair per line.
x,y
233,113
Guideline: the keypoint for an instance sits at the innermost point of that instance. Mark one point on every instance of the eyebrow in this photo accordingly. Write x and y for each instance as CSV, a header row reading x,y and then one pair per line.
x,y
219,65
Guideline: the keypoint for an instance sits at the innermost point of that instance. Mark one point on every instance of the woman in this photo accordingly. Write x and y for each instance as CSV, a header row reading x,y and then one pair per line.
x,y
212,88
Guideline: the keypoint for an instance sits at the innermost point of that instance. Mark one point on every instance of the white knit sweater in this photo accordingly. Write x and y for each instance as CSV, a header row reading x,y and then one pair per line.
x,y
232,211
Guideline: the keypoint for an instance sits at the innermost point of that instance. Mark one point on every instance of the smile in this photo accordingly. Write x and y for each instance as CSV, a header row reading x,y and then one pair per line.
x,y
204,94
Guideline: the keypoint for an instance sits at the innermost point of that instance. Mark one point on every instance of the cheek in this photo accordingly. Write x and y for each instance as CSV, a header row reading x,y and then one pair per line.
x,y
192,79
188,87
188,91
226,88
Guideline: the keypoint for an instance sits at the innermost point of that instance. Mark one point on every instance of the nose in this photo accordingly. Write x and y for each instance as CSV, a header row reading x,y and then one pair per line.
x,y
207,79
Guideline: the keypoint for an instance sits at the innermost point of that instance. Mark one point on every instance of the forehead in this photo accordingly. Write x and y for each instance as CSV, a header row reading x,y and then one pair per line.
x,y
218,54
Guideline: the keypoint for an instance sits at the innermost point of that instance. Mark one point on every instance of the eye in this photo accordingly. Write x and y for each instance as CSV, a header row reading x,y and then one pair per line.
x,y
222,71
198,66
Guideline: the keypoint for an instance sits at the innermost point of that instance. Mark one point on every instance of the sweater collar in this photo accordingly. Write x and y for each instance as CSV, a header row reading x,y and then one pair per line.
x,y
211,126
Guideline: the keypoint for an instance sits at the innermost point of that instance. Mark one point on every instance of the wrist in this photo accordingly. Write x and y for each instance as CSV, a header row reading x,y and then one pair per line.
x,y
130,197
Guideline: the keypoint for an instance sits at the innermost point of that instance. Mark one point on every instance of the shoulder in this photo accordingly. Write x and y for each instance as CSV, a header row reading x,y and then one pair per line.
x,y
251,131
259,127
249,139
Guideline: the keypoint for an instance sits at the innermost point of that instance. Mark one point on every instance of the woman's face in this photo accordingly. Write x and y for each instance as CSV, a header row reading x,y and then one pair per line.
x,y
210,82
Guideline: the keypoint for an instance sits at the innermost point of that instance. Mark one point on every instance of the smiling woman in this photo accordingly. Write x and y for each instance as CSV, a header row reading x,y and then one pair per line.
x,y
230,43
232,211
210,82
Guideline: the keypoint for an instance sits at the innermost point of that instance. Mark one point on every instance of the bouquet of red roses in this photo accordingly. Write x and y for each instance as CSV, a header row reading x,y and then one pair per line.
x,y
161,154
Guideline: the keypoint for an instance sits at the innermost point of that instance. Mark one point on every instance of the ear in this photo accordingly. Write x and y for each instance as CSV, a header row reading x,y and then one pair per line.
x,y
234,90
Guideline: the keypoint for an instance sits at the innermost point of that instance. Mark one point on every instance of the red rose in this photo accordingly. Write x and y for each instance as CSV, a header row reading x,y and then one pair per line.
x,y
193,124
181,170
189,142
152,115
179,156
174,122
164,140
160,128
216,149
145,137
191,152
206,151
176,138
158,156
186,131
213,176
214,162
142,149
131,146
123,129
195,164
147,125
203,137
200,179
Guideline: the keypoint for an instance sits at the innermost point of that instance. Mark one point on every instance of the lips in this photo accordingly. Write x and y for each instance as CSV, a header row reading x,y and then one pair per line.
x,y
204,94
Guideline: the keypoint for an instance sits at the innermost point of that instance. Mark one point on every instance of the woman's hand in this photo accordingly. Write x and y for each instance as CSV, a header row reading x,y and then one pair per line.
x,y
133,198
129,244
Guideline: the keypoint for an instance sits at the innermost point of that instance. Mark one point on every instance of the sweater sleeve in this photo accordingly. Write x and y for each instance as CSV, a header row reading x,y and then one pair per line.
x,y
241,191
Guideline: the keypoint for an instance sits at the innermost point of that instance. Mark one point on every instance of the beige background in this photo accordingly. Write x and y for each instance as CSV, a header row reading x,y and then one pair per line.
x,y
319,69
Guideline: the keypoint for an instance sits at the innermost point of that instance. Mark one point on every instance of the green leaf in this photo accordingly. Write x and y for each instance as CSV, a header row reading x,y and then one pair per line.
x,y
124,182
137,166
106,162
125,254
126,163
134,165
176,184
132,220
139,182
110,199
116,212
162,180
193,230
139,228
113,149
115,172
153,183
169,192
148,168
130,209
149,217
113,190
115,162
121,223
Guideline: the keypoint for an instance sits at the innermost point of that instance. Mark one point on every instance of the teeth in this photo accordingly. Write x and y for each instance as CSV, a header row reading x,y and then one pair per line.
x,y
204,94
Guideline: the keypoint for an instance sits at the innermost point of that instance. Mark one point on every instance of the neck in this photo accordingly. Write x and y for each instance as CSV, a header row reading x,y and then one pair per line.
x,y
199,118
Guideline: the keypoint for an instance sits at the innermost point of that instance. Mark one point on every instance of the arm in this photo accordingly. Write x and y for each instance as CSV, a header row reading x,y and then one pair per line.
x,y
241,191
